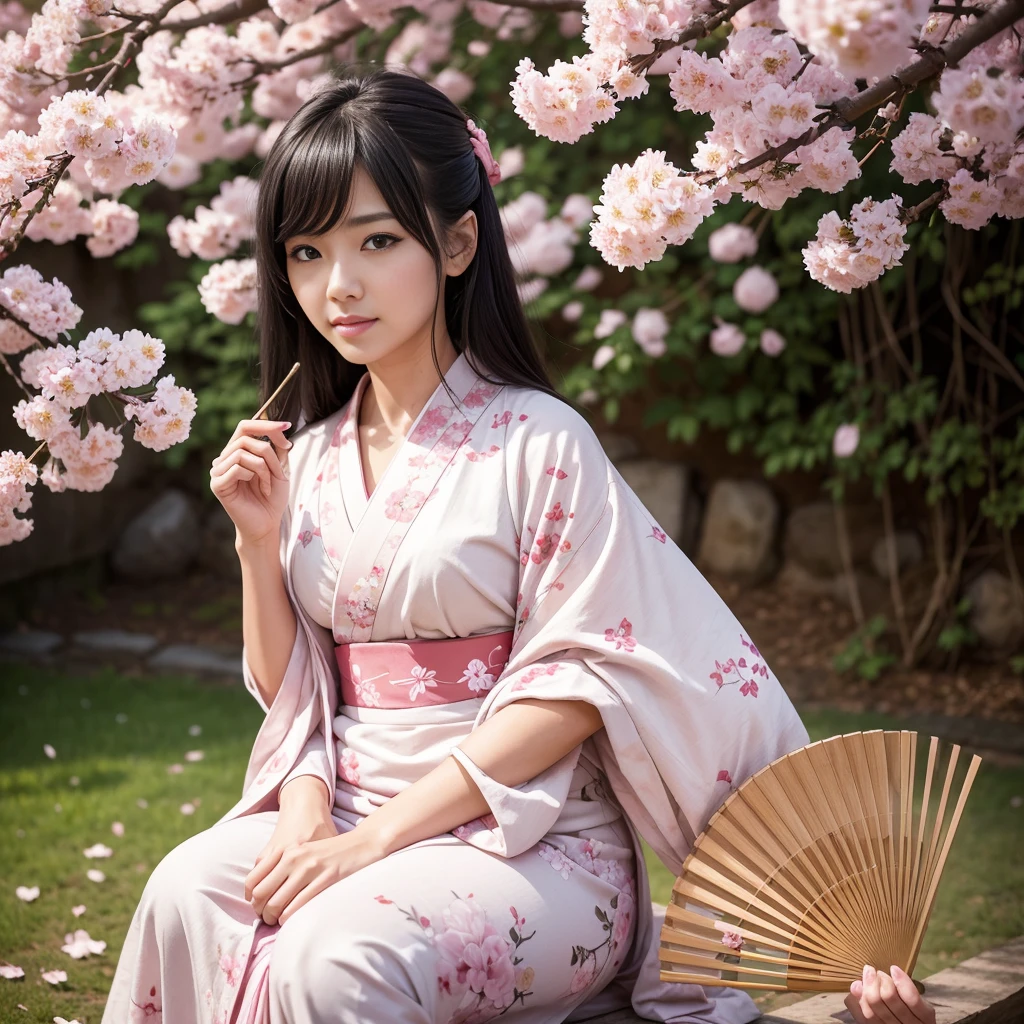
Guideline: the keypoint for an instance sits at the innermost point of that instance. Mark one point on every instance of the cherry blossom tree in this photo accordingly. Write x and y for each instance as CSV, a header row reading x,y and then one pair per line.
x,y
98,96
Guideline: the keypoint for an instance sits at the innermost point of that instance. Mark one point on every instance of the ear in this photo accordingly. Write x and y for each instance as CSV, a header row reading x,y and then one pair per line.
x,y
463,242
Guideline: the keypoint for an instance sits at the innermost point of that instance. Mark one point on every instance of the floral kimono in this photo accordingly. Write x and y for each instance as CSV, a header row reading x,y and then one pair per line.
x,y
501,556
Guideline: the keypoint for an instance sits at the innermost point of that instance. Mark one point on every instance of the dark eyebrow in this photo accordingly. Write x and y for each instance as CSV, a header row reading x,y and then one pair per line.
x,y
368,218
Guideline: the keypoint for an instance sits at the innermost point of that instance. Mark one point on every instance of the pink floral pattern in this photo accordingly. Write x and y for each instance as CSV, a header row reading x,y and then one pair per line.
x,y
361,603
348,766
621,636
476,965
740,672
534,672
148,1010
403,504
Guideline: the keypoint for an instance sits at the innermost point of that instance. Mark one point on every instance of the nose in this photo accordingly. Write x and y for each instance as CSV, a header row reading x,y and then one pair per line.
x,y
344,283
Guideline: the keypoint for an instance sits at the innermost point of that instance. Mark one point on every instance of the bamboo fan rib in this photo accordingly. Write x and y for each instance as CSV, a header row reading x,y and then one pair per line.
x,y
816,865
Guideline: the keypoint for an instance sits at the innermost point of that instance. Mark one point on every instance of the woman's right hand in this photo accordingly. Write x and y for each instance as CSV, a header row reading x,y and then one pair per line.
x,y
249,478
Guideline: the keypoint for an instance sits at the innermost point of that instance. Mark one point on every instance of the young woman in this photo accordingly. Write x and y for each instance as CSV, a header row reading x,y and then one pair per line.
x,y
486,670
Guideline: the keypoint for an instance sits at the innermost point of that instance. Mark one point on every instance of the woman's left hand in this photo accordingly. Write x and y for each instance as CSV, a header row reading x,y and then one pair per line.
x,y
280,885
880,998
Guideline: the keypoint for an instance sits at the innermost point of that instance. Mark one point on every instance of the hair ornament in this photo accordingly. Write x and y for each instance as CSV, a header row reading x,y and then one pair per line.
x,y
478,139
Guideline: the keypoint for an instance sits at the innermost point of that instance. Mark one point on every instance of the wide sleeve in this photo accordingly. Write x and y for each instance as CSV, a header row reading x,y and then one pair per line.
x,y
293,737
612,612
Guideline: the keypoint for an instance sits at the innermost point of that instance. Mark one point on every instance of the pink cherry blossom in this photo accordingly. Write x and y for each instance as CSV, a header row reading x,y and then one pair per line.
x,y
755,290
845,440
727,339
603,356
732,243
649,329
610,321
772,343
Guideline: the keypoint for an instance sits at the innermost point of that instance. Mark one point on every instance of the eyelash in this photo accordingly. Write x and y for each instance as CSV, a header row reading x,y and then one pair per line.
x,y
380,234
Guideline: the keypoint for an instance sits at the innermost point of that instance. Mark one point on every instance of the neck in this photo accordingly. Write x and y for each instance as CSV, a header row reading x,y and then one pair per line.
x,y
400,388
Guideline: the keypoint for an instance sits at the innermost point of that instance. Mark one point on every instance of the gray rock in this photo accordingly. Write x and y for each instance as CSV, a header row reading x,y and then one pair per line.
x,y
217,550
666,491
909,552
30,642
739,530
115,641
162,542
874,594
996,614
190,658
619,447
812,540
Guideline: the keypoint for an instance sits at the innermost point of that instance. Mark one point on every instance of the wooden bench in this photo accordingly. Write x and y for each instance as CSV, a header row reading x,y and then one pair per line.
x,y
987,989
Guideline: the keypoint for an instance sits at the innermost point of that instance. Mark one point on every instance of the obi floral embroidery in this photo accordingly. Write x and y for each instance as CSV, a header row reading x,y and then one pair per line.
x,y
476,965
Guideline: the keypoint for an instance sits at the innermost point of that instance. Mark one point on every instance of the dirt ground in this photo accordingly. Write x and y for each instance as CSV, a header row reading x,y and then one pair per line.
x,y
799,635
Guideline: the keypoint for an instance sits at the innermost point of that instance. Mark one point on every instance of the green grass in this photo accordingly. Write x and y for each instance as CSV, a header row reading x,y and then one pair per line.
x,y
980,904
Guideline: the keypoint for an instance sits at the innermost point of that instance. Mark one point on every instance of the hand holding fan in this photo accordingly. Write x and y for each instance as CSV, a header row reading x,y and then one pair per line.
x,y
815,866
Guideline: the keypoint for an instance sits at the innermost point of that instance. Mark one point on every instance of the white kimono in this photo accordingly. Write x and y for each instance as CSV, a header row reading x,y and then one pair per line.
x,y
499,512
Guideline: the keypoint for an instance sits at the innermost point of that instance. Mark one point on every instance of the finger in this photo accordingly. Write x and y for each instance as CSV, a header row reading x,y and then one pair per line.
x,y
871,1002
281,899
234,476
274,429
853,1005
891,998
911,998
260,870
259,467
314,888
262,449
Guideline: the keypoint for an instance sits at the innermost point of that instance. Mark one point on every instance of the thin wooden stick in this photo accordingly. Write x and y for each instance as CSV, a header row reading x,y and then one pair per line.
x,y
262,414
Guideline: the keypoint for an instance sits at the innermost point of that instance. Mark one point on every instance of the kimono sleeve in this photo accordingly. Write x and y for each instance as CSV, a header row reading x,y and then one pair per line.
x,y
612,612
313,761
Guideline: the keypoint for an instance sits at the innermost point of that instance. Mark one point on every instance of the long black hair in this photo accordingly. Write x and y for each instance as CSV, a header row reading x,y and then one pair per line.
x,y
413,142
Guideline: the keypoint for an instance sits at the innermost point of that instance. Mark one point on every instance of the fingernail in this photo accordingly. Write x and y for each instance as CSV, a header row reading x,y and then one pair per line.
x,y
286,423
856,988
896,973
869,973
287,443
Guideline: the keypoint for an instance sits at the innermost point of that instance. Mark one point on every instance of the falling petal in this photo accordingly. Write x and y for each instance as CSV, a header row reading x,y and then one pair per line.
x,y
26,893
194,755
79,910
49,751
98,850
95,875
117,828
195,730
54,977
188,809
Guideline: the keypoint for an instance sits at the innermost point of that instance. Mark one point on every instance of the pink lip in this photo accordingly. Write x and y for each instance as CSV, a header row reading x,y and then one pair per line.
x,y
352,329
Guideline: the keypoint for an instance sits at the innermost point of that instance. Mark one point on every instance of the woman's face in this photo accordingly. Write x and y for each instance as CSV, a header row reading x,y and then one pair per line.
x,y
369,266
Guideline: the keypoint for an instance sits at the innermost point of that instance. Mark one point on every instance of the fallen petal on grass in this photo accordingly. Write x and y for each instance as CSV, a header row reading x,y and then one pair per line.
x,y
79,944
95,875
49,751
54,977
175,769
194,755
117,828
27,893
188,809
98,850
11,971
79,910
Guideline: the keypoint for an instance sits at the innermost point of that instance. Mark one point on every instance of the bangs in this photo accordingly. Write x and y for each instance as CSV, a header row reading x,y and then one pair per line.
x,y
316,179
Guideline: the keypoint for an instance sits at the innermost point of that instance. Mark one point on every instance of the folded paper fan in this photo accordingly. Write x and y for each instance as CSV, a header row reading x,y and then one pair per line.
x,y
815,866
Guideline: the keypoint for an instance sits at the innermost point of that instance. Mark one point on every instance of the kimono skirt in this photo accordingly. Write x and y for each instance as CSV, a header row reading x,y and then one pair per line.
x,y
440,931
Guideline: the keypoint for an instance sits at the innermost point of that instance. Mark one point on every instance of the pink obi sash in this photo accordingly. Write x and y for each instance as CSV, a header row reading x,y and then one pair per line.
x,y
420,673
